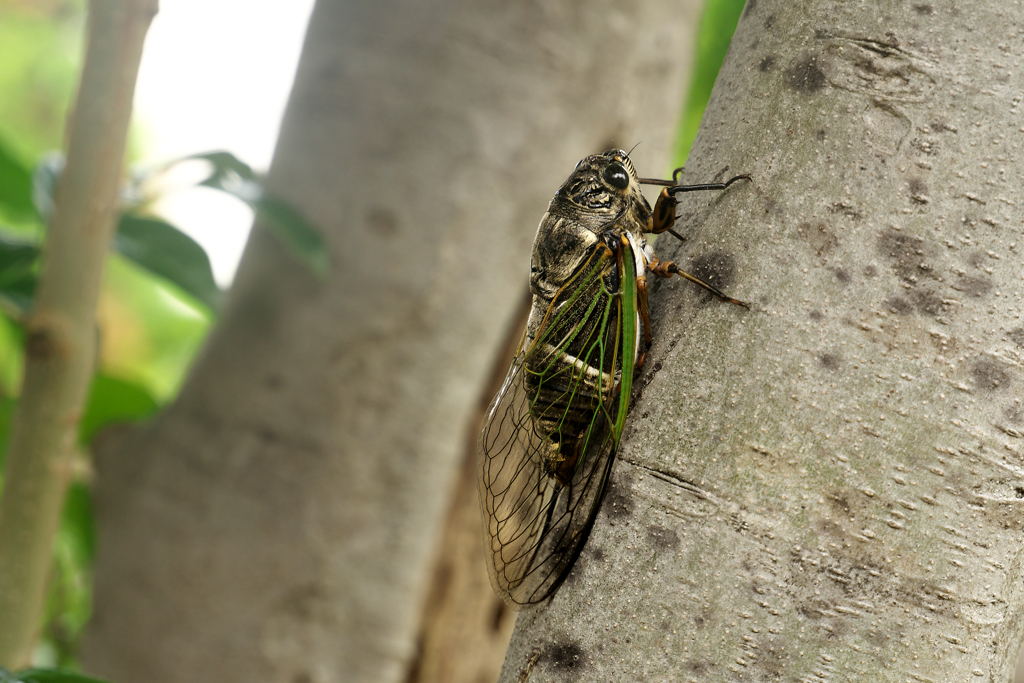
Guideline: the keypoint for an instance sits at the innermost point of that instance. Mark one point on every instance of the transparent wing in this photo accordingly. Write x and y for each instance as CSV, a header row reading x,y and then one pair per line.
x,y
547,444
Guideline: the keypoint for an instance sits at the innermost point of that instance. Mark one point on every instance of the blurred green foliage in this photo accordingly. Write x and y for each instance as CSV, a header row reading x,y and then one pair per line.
x,y
717,24
40,51
158,299
44,676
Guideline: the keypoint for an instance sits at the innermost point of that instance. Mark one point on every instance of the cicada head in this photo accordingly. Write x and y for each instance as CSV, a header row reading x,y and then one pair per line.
x,y
605,187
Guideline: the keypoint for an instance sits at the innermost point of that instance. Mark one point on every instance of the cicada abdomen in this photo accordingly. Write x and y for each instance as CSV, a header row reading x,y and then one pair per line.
x,y
552,429
550,435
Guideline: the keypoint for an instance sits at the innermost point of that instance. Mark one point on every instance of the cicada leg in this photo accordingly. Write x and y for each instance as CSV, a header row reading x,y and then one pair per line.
x,y
664,214
560,459
662,218
668,269
645,317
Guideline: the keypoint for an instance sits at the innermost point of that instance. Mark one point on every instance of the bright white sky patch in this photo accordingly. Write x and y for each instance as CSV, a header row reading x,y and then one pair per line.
x,y
216,75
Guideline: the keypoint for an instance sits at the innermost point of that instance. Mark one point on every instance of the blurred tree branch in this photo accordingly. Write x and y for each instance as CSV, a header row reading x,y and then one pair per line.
x,y
61,331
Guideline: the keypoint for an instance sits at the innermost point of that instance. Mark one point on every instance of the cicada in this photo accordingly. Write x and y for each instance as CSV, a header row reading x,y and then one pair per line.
x,y
550,434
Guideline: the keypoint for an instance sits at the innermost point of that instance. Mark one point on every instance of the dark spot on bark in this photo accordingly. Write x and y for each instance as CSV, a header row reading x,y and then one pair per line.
x,y
812,609
714,267
927,301
917,186
268,435
273,382
867,64
662,538
41,345
924,10
618,502
381,221
776,660
1019,490
821,134
302,677
749,9
1017,336
818,237
657,366
907,254
973,286
815,315
829,361
899,305
805,75
989,374
567,655
870,270
823,34
976,259
842,275
769,22
698,666
840,502
766,64
577,568
597,554
772,207
845,209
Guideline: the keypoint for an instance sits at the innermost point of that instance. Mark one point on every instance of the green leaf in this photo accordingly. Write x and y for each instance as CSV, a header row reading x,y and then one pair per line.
x,y
299,237
237,178
77,522
113,400
717,25
45,676
15,184
227,168
44,183
162,249
19,259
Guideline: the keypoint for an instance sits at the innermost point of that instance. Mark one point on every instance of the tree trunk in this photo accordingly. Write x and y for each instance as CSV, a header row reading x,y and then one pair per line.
x,y
280,521
831,485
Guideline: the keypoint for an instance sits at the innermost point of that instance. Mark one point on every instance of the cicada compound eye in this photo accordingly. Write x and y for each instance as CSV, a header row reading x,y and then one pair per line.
x,y
615,174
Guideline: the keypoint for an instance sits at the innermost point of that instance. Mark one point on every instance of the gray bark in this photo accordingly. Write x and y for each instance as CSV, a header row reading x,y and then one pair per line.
x,y
829,487
279,522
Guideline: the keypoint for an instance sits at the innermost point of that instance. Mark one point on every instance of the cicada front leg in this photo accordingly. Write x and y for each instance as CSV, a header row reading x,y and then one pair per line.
x,y
664,214
663,217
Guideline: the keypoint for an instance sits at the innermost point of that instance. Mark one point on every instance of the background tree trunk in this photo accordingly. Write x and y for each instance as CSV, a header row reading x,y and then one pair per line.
x,y
280,521
831,485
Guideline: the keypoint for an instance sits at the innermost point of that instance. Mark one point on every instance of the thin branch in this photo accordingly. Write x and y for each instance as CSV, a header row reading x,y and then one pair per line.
x,y
60,346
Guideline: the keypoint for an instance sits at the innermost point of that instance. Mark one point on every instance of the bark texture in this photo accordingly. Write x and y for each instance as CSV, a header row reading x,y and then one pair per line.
x,y
280,521
829,487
